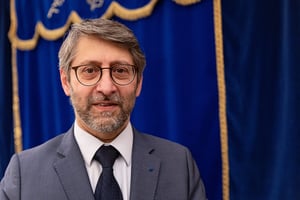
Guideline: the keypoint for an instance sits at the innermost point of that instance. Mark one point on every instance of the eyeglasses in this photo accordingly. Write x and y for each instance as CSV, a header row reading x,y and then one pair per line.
x,y
90,74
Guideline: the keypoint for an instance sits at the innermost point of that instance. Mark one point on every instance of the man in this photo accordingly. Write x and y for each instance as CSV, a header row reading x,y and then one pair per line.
x,y
101,67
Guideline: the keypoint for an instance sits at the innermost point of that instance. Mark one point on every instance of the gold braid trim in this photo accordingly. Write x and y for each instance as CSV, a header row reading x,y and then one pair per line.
x,y
129,14
40,30
16,104
222,97
186,2
16,100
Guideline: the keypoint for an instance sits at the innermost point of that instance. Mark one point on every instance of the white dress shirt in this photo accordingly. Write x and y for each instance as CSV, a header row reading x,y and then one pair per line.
x,y
89,144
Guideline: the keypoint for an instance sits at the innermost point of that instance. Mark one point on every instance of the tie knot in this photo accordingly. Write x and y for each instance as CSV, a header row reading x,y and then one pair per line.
x,y
106,155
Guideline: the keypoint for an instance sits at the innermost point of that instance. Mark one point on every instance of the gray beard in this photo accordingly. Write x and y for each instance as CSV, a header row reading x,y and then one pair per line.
x,y
104,122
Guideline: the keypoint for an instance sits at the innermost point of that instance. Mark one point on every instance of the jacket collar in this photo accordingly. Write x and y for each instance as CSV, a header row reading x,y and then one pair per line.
x,y
70,169
145,169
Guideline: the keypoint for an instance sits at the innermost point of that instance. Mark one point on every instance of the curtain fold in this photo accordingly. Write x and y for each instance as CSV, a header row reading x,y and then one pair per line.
x,y
6,117
261,47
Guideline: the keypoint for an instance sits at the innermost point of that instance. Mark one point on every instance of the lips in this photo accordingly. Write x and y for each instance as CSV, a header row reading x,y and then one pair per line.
x,y
106,103
105,106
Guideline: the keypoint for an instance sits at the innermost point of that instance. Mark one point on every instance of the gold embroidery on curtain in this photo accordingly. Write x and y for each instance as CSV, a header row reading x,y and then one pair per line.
x,y
222,97
40,30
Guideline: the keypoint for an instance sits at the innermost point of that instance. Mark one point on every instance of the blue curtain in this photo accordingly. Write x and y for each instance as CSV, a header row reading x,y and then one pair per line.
x,y
6,119
261,51
179,100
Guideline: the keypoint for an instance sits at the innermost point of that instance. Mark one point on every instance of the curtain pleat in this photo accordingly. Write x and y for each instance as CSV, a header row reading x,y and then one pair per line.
x,y
6,117
261,47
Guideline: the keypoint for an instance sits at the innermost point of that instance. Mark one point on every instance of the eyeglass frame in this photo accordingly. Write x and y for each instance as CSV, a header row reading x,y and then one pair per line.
x,y
135,72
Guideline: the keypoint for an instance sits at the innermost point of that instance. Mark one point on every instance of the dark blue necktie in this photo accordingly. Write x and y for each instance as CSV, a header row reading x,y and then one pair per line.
x,y
107,187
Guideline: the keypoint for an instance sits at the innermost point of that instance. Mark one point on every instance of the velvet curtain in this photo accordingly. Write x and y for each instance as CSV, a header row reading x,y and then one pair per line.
x,y
261,52
180,98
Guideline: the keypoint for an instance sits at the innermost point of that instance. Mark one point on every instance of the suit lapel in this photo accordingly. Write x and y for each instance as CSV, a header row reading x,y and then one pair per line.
x,y
145,170
71,170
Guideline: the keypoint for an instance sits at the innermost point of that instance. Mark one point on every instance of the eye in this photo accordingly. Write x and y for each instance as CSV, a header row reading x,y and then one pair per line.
x,y
88,72
89,69
120,70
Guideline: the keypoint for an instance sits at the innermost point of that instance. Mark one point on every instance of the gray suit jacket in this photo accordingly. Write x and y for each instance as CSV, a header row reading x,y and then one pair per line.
x,y
161,170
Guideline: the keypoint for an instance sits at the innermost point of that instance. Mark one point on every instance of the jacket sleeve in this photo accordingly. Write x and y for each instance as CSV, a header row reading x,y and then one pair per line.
x,y
10,184
196,186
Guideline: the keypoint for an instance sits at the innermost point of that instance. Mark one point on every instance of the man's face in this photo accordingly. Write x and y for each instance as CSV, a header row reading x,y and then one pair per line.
x,y
103,109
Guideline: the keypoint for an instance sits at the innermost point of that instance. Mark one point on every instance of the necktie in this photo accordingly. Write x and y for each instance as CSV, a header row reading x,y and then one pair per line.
x,y
107,187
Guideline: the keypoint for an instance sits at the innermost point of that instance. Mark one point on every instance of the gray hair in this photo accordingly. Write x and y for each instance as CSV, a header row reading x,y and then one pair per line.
x,y
105,29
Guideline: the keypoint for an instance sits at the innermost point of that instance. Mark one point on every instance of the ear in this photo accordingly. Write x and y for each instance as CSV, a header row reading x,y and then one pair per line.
x,y
139,87
65,82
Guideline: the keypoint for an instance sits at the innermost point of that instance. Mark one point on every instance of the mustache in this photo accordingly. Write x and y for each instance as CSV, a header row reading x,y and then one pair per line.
x,y
101,97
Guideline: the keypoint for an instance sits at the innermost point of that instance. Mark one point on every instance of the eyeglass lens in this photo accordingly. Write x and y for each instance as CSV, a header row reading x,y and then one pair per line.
x,y
121,74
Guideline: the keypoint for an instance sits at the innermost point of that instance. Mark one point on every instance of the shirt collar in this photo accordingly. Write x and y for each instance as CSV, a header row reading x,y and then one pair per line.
x,y
89,144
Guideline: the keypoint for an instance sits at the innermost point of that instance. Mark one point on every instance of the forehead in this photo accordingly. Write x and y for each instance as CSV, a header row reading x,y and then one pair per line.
x,y
99,50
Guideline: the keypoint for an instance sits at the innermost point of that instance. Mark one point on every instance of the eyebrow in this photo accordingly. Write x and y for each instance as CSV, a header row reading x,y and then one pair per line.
x,y
93,62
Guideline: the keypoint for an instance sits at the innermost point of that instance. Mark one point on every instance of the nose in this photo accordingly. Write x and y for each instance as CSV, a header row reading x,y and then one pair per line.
x,y
106,84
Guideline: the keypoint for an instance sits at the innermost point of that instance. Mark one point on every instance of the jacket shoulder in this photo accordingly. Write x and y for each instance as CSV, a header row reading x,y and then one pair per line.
x,y
45,148
161,145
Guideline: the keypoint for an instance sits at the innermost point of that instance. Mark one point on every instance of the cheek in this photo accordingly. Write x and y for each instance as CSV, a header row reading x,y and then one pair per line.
x,y
79,99
80,92
76,87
